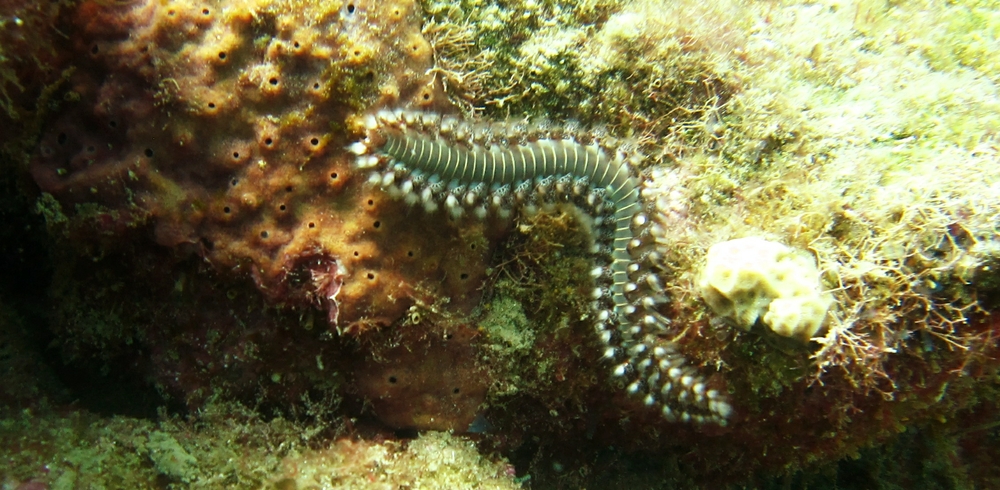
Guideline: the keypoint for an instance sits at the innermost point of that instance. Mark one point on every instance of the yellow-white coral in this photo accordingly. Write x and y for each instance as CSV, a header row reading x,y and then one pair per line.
x,y
751,278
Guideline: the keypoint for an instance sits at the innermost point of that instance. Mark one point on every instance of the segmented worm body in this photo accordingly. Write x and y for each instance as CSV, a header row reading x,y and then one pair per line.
x,y
481,168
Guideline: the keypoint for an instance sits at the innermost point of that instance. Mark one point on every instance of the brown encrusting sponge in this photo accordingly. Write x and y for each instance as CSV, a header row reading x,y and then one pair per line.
x,y
221,125
217,129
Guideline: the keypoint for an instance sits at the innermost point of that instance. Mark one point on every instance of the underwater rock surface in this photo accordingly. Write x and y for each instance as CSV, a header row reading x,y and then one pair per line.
x,y
225,295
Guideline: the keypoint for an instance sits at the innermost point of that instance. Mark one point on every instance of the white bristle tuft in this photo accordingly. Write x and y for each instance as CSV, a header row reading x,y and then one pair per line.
x,y
366,161
431,119
621,369
654,282
358,148
722,408
449,124
668,413
388,179
699,388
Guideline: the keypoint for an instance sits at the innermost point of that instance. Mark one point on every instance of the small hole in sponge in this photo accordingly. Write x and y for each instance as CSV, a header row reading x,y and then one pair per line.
x,y
288,188
148,153
409,253
282,207
463,276
371,202
377,224
205,11
334,175
392,379
226,210
312,225
273,81
456,391
222,55
268,141
371,276
264,234
314,141
211,105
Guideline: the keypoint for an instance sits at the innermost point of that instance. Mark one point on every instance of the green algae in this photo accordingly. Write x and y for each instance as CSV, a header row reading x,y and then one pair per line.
x,y
89,452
